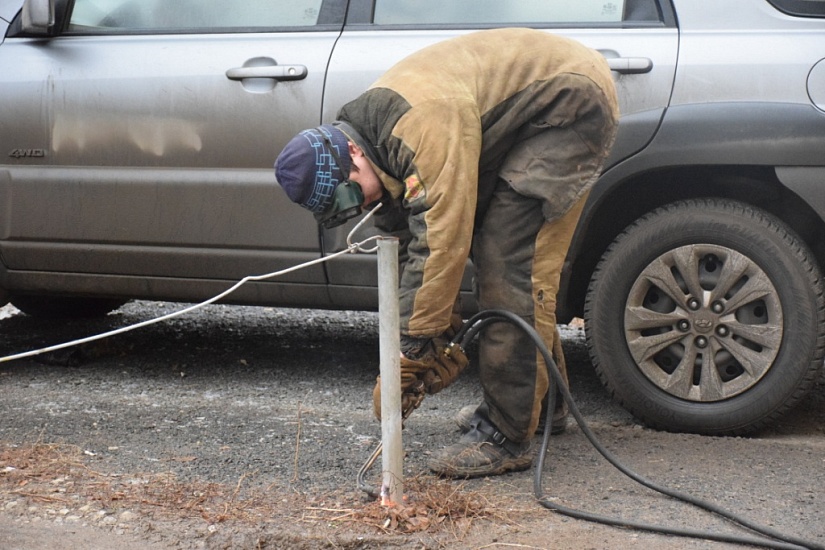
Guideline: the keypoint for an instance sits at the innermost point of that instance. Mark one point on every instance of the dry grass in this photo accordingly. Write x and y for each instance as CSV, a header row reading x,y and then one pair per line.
x,y
60,475
429,505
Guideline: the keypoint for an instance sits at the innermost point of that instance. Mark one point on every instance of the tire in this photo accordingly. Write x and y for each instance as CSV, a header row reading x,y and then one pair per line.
x,y
733,360
64,307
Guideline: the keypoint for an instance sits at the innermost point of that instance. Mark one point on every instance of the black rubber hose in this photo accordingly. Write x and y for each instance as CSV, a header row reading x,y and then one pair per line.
x,y
782,541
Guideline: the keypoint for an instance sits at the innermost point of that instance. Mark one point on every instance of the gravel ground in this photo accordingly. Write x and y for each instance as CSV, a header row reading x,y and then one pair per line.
x,y
243,427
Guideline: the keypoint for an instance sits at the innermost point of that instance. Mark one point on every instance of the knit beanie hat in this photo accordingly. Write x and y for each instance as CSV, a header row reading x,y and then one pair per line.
x,y
312,165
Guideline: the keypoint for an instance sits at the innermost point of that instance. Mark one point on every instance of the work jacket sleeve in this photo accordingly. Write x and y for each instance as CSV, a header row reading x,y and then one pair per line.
x,y
440,177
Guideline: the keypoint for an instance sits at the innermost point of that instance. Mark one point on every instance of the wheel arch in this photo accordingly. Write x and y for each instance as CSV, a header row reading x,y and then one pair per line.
x,y
614,205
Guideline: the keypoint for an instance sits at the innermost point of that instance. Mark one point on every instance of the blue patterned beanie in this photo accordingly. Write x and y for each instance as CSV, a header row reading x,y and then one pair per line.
x,y
308,168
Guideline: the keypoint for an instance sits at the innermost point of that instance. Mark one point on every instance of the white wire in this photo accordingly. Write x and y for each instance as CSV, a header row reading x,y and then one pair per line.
x,y
351,247
358,226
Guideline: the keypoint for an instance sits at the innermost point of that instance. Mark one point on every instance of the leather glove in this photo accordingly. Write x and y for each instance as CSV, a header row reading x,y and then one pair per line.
x,y
435,367
412,393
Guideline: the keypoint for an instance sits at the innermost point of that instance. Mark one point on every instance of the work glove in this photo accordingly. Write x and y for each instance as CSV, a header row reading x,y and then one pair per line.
x,y
428,366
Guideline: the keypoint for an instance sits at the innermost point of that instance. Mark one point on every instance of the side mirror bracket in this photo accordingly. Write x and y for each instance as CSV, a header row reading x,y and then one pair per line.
x,y
38,17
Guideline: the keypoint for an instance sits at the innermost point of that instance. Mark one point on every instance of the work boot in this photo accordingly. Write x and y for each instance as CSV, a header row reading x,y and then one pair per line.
x,y
465,415
482,451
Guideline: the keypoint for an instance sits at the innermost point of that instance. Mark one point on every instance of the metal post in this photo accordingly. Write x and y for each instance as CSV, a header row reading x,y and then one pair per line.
x,y
392,487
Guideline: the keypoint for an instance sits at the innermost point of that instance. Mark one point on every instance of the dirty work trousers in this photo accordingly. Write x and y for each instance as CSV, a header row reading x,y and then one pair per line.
x,y
518,257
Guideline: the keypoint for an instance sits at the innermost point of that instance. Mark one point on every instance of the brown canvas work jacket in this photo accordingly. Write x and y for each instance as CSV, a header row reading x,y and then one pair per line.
x,y
444,124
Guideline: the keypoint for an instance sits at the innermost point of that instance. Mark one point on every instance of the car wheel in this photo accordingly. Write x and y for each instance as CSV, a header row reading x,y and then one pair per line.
x,y
707,316
64,307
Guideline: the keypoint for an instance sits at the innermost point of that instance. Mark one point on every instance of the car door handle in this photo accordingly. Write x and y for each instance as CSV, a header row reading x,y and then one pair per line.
x,y
278,72
630,65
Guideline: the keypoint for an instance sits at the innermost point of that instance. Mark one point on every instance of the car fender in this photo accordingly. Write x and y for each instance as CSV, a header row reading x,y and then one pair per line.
x,y
790,137
736,133
807,182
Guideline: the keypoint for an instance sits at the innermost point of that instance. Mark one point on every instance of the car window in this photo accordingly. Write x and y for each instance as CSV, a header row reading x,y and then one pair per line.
x,y
108,16
415,12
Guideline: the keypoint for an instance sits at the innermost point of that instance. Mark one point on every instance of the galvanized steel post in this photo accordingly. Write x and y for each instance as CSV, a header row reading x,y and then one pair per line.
x,y
392,487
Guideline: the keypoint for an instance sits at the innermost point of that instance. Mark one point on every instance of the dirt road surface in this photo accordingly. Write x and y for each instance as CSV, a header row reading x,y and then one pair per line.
x,y
240,427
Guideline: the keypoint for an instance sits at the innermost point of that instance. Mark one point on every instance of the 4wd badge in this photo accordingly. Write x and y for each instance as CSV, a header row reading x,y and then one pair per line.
x,y
27,153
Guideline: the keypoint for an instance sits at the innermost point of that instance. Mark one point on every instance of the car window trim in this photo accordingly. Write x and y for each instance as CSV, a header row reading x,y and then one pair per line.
x,y
201,31
530,25
332,13
360,15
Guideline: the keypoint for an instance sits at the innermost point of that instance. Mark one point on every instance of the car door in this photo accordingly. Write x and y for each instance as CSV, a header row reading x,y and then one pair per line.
x,y
639,38
138,144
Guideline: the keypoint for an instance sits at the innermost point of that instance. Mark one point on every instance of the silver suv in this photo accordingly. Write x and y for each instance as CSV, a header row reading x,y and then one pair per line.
x,y
138,138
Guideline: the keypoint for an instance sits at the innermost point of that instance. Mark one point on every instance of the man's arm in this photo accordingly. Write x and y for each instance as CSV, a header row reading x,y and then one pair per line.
x,y
441,185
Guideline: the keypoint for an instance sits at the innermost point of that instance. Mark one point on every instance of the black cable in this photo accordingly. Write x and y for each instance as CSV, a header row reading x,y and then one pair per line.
x,y
782,541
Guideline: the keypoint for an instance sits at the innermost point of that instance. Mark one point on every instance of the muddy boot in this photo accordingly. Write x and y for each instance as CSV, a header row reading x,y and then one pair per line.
x,y
482,451
465,415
